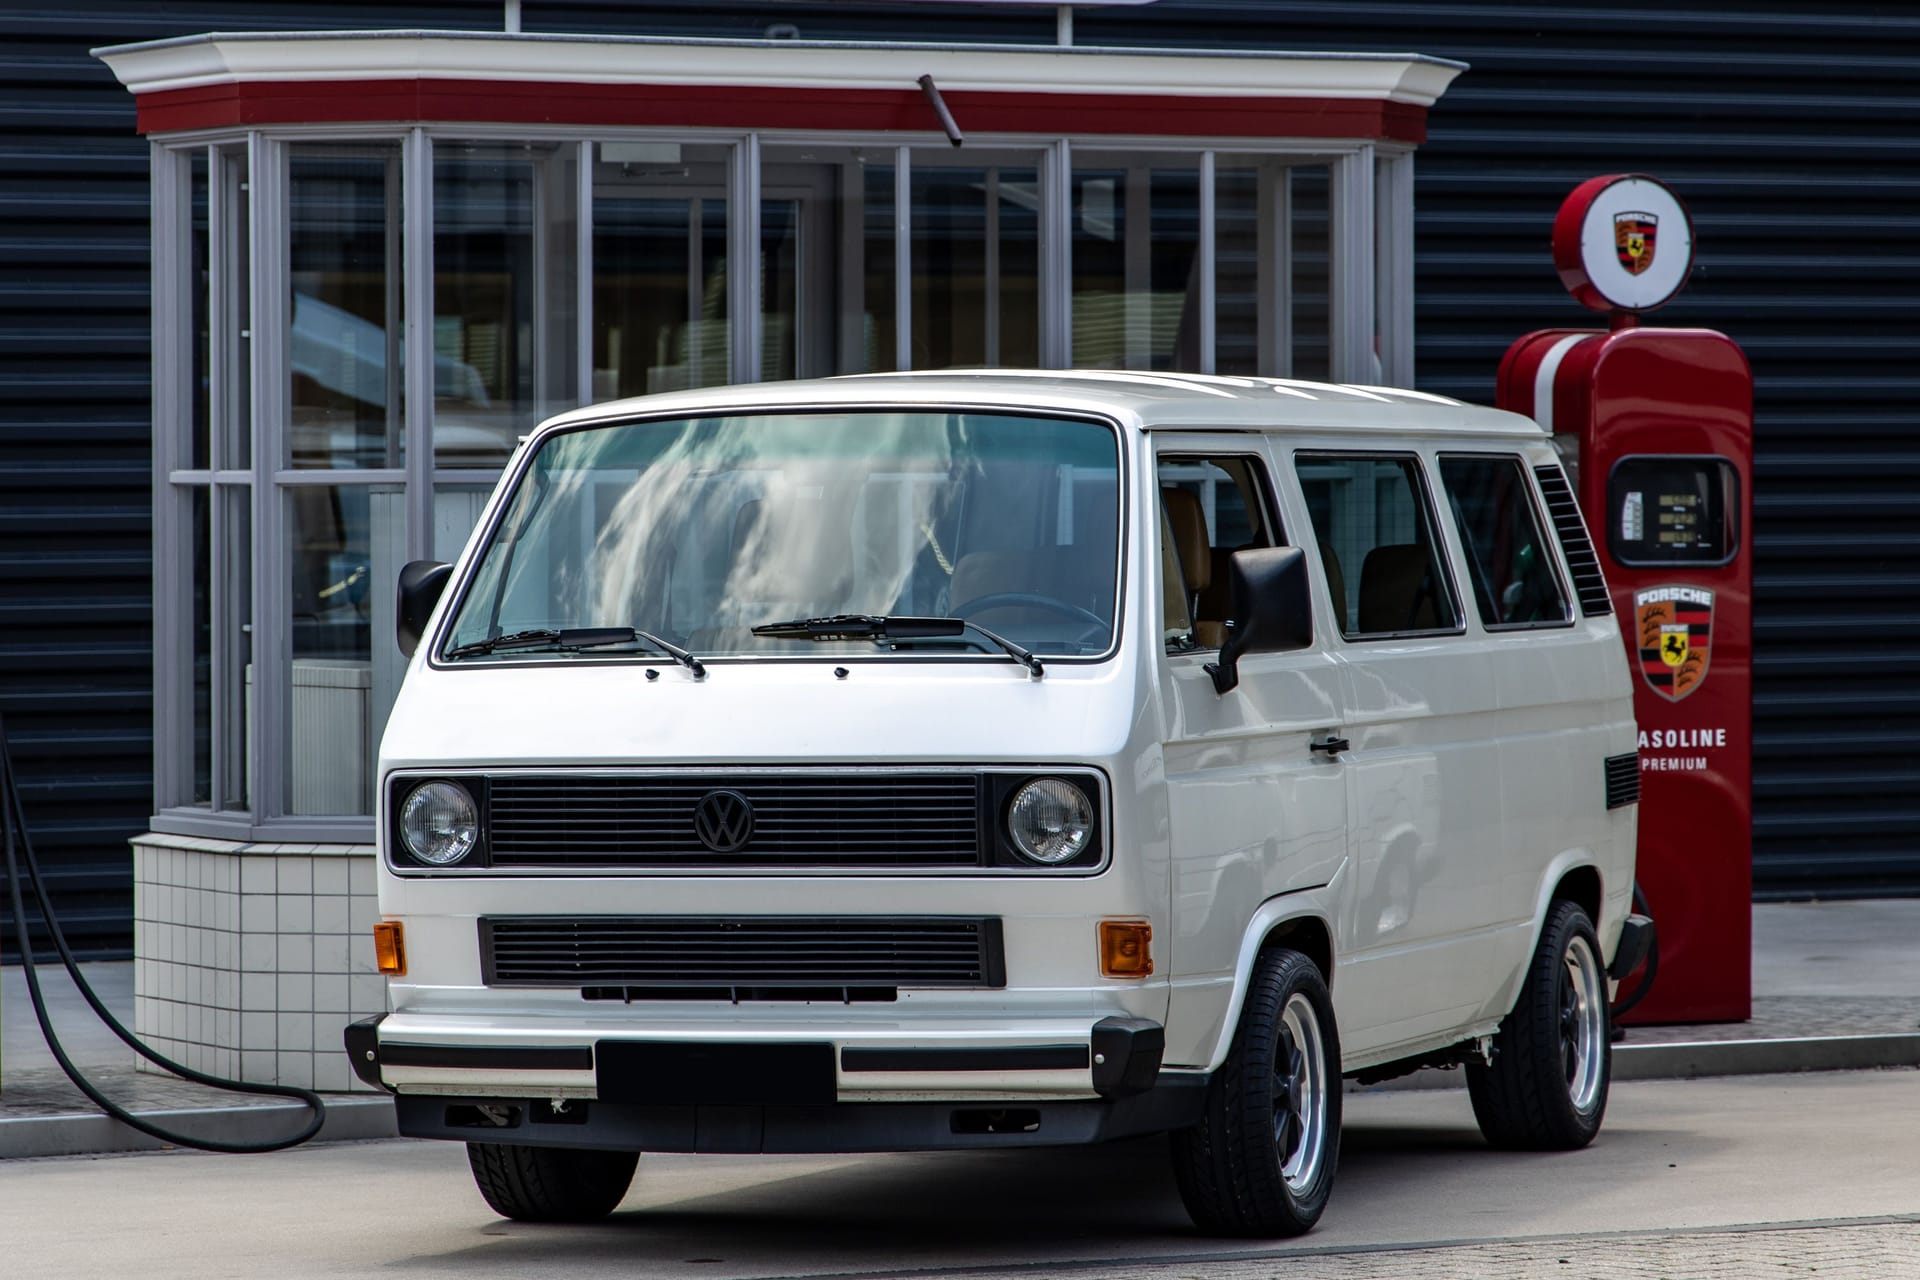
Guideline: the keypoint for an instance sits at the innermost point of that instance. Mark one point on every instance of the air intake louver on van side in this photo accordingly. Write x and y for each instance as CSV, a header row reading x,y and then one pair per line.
x,y
1588,583
1623,780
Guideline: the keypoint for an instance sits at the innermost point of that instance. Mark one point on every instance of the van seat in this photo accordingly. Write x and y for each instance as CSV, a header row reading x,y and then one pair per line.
x,y
1396,590
1188,520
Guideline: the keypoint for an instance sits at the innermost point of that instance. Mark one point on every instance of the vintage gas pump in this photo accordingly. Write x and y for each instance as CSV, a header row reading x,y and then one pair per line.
x,y
1656,427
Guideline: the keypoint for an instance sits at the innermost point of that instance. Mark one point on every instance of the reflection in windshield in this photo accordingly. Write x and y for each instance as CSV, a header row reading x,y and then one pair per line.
x,y
699,529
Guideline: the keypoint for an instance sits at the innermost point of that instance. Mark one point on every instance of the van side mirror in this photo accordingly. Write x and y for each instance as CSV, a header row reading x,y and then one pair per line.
x,y
421,585
1267,590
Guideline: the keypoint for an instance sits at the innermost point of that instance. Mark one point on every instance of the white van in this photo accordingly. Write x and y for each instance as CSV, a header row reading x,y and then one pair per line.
x,y
1004,759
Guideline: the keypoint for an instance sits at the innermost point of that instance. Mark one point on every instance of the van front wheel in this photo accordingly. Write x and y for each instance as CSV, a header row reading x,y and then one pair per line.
x,y
550,1184
1546,1087
1261,1162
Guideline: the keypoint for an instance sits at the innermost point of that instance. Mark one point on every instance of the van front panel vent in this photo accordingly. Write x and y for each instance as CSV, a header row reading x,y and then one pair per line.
x,y
726,952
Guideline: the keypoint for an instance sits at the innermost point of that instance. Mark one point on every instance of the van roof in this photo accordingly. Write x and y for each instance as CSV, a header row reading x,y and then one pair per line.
x,y
1147,401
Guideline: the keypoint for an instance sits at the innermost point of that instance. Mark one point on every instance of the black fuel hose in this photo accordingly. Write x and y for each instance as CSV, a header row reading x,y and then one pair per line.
x,y
13,817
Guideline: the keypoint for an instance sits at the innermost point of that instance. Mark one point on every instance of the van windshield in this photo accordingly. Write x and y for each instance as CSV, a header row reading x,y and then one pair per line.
x,y
696,530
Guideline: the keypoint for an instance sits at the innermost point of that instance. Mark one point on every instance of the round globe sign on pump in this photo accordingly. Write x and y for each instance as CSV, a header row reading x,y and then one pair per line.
x,y
1623,242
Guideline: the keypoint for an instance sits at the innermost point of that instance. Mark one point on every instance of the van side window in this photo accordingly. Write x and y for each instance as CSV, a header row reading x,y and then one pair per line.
x,y
1508,558
1210,507
1374,526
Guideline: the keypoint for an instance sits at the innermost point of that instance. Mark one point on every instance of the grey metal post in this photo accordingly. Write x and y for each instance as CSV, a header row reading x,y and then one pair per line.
x,y
172,221
1351,323
743,259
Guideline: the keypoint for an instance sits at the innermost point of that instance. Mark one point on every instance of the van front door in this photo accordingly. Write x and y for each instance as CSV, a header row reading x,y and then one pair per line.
x,y
1254,812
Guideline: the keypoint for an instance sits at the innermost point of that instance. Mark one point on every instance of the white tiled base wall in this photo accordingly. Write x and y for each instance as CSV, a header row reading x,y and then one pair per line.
x,y
251,959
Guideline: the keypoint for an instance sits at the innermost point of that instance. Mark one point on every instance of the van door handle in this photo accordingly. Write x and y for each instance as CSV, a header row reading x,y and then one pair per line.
x,y
1330,744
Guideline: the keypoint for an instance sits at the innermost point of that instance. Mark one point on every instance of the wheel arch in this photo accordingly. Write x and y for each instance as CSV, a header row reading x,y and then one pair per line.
x,y
1578,884
1573,876
1309,935
1302,921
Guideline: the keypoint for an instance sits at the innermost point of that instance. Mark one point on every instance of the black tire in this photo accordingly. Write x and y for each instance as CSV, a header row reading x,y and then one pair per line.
x,y
1546,1087
1262,1161
550,1184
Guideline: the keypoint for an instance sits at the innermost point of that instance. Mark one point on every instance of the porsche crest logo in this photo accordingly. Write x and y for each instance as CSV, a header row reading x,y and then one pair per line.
x,y
1675,625
1633,240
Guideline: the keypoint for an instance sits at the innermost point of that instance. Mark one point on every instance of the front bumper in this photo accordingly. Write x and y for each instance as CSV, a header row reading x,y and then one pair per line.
x,y
757,1093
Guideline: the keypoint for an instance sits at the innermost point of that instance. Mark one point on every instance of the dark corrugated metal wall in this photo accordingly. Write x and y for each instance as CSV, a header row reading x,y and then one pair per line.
x,y
76,654
1789,129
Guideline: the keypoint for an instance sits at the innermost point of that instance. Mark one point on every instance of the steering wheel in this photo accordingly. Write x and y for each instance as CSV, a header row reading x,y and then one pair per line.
x,y
1027,599
1096,625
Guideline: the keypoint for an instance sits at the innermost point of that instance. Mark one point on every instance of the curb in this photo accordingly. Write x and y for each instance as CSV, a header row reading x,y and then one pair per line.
x,y
1686,1060
349,1118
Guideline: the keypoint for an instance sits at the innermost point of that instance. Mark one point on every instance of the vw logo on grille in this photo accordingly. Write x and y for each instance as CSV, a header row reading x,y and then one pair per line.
x,y
723,820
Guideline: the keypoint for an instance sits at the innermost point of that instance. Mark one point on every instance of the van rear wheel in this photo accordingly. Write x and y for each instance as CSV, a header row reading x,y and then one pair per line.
x,y
1546,1087
1261,1162
550,1184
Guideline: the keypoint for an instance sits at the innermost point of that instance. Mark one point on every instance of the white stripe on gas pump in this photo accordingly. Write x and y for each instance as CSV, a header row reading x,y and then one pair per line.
x,y
1543,378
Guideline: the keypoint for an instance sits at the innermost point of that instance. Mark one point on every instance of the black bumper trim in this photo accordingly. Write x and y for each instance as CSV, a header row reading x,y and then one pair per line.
x,y
1043,1057
1126,1055
1176,1102
1636,941
488,1057
363,1049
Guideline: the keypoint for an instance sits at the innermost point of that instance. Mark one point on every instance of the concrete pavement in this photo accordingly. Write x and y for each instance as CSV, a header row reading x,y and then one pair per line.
x,y
1836,986
1734,1176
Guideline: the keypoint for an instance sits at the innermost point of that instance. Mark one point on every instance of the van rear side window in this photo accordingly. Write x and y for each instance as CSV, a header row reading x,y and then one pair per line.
x,y
1508,559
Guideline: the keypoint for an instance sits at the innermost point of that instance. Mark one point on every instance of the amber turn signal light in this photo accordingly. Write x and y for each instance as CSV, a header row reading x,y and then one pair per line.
x,y
390,948
1125,950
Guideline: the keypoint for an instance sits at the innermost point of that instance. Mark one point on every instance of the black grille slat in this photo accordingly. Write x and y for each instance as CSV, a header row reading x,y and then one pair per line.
x,y
865,820
1588,582
641,951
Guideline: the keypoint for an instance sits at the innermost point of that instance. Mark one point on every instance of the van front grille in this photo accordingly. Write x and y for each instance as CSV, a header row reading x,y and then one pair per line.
x,y
816,819
730,952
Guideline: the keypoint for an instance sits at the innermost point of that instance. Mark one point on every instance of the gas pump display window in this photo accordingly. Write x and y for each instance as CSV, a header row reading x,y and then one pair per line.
x,y
1663,511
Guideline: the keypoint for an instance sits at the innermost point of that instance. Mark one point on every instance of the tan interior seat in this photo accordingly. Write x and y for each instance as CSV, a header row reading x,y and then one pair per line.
x,y
1395,594
1188,521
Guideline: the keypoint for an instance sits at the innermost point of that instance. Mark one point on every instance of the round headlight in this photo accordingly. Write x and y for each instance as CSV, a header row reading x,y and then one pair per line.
x,y
1050,821
439,823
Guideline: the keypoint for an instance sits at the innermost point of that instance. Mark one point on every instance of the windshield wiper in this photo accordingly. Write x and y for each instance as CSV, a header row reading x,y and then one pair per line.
x,y
894,629
572,639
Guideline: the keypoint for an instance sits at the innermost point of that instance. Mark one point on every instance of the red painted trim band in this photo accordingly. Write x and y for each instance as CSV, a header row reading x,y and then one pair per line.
x,y
743,107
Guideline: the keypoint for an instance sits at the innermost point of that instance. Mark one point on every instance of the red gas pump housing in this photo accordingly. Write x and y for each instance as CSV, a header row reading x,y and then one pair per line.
x,y
1657,428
